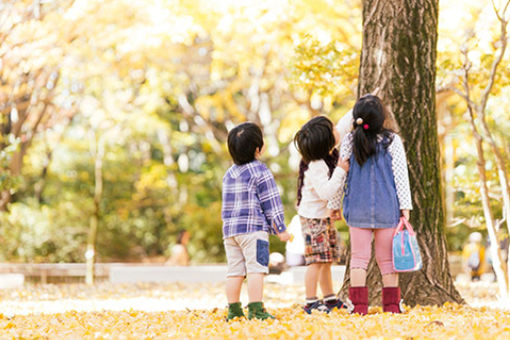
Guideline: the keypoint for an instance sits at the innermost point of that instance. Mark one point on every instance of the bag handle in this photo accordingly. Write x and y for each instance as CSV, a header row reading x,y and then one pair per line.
x,y
399,227
404,223
408,226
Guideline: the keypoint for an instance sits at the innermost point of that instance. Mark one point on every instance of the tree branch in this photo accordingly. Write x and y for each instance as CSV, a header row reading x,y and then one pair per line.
x,y
457,91
496,62
496,10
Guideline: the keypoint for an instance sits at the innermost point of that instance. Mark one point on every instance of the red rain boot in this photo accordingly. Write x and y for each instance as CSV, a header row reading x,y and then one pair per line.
x,y
391,300
359,298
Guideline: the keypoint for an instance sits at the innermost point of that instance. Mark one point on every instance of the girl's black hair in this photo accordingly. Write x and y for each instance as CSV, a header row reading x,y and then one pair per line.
x,y
365,135
314,141
243,141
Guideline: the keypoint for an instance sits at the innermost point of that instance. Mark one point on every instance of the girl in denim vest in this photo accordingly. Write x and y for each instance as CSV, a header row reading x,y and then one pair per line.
x,y
321,175
376,195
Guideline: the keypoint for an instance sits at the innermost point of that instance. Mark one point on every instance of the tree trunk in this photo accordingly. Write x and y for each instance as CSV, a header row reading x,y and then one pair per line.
x,y
39,185
399,57
90,254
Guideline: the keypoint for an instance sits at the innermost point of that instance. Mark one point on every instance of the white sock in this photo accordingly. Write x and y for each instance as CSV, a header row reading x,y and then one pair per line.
x,y
330,298
311,300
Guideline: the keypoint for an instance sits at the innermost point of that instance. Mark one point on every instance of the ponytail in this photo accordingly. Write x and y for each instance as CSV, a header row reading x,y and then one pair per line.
x,y
330,160
364,144
369,116
303,166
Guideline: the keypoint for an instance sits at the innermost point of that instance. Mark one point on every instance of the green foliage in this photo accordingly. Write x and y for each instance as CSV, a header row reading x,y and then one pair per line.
x,y
160,83
8,181
325,69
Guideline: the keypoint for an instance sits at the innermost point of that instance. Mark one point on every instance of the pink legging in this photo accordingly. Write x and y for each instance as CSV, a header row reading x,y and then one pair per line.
x,y
361,248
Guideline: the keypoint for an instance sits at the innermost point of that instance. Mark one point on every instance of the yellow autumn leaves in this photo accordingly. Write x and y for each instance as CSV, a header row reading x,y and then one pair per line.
x,y
450,321
446,322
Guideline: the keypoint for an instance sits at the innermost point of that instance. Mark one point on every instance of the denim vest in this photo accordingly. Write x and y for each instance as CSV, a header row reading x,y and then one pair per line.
x,y
370,196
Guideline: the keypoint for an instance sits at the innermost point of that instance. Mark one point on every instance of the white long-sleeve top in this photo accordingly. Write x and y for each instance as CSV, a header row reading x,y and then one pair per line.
x,y
399,167
318,188
345,125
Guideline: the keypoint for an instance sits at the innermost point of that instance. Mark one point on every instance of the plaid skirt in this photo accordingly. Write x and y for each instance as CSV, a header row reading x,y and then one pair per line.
x,y
320,240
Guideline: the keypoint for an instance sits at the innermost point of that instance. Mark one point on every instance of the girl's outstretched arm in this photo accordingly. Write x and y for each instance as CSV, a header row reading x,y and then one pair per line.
x,y
323,185
344,125
345,153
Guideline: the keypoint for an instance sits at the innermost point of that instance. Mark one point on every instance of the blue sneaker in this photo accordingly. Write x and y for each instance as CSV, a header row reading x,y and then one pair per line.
x,y
317,305
336,303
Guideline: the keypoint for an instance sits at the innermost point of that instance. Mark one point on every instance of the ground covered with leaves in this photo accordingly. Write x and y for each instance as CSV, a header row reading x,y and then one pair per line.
x,y
145,311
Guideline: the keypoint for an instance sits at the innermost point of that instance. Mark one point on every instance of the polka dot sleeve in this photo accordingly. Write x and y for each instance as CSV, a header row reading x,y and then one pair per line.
x,y
400,172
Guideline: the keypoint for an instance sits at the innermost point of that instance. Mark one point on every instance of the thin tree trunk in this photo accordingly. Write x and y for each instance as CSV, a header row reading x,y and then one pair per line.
x,y
399,57
487,211
498,153
508,270
39,185
501,268
90,254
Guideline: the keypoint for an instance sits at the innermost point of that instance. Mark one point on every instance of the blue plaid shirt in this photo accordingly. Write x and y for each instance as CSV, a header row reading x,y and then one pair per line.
x,y
251,201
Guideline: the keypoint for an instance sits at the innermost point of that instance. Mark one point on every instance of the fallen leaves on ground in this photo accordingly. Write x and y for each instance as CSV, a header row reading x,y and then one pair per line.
x,y
448,321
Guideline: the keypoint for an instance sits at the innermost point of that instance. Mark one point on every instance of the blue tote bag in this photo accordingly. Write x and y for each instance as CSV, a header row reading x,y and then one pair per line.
x,y
406,253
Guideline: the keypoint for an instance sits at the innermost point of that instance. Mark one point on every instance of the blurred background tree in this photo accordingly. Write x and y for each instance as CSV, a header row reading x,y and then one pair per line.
x,y
481,72
158,85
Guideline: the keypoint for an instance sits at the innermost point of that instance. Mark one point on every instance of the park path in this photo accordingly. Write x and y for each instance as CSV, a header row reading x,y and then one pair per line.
x,y
52,299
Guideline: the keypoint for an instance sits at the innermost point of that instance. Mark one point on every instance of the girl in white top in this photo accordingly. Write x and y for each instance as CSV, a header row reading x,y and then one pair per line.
x,y
321,174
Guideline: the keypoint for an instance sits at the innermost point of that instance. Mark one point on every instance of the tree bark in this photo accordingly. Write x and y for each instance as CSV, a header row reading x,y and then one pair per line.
x,y
399,57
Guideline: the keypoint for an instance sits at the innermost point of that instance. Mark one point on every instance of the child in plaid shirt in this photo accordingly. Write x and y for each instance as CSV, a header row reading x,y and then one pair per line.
x,y
251,210
321,173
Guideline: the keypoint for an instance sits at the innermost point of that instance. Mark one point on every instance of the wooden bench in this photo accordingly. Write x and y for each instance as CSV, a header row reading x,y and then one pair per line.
x,y
49,272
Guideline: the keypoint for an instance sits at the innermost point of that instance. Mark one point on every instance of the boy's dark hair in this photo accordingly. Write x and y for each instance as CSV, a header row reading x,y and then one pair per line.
x,y
314,141
365,135
243,141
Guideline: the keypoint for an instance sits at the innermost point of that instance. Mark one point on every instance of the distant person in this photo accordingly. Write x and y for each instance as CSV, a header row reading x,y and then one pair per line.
x,y
179,253
474,256
321,175
377,194
276,263
251,210
503,249
295,248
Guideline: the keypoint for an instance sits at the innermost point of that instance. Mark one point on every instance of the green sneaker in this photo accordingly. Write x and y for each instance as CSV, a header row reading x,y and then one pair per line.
x,y
256,310
235,310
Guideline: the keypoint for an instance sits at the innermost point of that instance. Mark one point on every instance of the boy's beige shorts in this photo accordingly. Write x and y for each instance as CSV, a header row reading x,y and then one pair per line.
x,y
247,253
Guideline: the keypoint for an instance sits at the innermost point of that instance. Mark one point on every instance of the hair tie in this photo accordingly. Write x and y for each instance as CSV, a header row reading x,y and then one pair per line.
x,y
366,126
359,121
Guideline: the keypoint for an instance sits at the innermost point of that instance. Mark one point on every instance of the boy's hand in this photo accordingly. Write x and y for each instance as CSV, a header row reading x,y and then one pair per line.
x,y
405,213
343,163
335,215
284,237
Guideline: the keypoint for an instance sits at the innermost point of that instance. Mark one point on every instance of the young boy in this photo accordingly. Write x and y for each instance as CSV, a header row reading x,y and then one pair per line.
x,y
251,210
